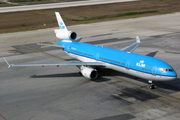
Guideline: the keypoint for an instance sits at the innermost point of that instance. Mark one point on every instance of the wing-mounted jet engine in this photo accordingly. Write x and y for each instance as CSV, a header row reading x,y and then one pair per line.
x,y
89,72
63,33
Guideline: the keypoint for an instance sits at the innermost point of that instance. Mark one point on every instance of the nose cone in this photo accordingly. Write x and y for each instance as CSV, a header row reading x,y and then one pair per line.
x,y
173,75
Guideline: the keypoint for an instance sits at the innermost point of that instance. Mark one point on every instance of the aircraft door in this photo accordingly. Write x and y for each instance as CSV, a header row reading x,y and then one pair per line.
x,y
127,65
97,56
154,70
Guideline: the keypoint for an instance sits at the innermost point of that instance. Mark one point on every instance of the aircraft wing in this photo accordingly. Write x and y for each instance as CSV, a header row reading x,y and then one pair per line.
x,y
132,47
58,64
51,45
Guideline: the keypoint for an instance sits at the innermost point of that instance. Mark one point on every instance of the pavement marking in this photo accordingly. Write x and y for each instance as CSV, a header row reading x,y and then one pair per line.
x,y
40,46
46,46
2,117
34,49
112,76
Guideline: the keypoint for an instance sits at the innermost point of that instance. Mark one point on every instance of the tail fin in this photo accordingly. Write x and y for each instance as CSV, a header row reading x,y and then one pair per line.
x,y
60,21
63,33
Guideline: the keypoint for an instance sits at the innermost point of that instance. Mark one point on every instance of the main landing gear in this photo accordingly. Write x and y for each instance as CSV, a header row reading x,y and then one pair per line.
x,y
151,84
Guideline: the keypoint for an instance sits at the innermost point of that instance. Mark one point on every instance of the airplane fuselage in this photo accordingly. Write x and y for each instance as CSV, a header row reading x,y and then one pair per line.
x,y
130,63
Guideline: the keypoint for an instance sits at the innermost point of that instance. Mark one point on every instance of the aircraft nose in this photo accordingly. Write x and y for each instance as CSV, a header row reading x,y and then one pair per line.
x,y
174,75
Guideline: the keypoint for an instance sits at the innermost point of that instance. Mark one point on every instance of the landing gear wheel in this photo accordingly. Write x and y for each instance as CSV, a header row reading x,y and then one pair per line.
x,y
151,86
80,73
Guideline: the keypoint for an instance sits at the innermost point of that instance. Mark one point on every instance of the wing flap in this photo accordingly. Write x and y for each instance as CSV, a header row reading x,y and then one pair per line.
x,y
57,63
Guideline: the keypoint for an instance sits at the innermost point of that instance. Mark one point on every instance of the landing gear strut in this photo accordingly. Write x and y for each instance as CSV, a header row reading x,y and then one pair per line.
x,y
151,84
98,70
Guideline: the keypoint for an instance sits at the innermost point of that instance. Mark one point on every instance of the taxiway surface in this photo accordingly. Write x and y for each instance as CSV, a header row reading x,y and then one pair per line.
x,y
61,93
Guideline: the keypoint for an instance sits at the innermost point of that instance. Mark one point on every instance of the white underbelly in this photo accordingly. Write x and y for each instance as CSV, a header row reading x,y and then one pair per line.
x,y
124,70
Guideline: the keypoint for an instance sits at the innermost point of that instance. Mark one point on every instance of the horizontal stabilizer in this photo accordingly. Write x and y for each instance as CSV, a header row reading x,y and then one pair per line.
x,y
77,39
51,45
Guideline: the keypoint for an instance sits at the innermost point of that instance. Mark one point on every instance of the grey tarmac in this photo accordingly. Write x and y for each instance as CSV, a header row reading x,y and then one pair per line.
x,y
60,93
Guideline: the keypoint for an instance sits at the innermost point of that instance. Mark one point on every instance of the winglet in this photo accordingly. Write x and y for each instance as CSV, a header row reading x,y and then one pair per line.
x,y
60,21
7,62
132,47
137,39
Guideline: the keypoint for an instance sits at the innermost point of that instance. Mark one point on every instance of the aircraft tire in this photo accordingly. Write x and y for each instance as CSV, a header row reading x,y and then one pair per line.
x,y
151,86
80,73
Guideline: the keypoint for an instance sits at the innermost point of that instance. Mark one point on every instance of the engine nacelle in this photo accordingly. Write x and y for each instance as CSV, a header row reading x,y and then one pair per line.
x,y
65,35
89,72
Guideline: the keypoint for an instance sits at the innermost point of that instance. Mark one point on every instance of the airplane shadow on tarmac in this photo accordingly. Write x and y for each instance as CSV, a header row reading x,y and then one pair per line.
x,y
56,75
76,74
152,54
171,85
109,72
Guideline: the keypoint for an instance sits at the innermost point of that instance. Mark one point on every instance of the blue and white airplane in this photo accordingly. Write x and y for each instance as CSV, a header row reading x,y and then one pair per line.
x,y
93,57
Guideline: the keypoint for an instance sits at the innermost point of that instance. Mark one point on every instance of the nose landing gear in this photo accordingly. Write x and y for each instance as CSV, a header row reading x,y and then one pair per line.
x,y
151,84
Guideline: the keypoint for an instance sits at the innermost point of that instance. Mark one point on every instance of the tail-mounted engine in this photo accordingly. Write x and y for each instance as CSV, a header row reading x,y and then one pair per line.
x,y
65,35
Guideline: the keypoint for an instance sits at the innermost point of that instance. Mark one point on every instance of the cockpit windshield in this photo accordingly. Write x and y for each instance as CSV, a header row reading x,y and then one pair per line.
x,y
166,70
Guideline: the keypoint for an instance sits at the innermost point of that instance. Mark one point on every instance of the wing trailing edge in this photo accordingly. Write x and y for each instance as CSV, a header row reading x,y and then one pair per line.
x,y
57,64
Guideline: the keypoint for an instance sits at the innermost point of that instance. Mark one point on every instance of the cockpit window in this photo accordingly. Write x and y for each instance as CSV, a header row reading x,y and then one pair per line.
x,y
171,70
166,70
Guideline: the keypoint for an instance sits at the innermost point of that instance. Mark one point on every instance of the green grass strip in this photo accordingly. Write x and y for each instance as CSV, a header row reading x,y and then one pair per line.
x,y
119,15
